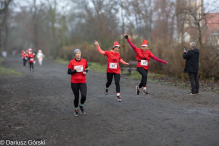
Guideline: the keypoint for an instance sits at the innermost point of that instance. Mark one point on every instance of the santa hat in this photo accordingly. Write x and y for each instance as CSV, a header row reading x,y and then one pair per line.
x,y
30,49
116,44
145,43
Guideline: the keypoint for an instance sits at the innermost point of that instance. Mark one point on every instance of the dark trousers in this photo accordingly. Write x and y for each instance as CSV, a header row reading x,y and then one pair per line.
x,y
194,82
144,74
75,88
31,64
24,62
110,78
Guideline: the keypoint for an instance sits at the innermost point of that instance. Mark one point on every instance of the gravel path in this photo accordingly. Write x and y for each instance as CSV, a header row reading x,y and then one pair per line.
x,y
39,106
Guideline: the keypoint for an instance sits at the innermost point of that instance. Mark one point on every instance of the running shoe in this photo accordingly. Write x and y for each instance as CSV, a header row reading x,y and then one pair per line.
x,y
190,93
82,110
144,92
137,90
76,113
106,92
118,98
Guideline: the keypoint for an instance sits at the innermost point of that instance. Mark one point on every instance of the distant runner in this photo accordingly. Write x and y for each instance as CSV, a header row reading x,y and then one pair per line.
x,y
31,60
40,57
24,57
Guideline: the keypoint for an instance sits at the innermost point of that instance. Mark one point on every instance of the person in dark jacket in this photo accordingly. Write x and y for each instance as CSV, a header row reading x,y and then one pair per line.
x,y
192,66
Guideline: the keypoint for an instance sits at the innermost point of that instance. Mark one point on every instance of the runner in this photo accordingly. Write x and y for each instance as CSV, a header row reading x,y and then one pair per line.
x,y
78,69
24,56
113,68
31,59
40,57
143,56
27,52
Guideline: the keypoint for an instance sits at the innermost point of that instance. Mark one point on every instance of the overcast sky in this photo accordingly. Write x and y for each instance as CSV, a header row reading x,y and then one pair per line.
x,y
214,3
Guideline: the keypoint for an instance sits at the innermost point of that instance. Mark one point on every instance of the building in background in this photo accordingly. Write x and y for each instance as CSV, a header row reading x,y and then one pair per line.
x,y
188,12
212,24
192,17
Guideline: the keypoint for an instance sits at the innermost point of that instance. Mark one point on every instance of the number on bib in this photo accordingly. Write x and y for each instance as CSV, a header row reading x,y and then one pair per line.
x,y
31,59
113,65
79,67
144,62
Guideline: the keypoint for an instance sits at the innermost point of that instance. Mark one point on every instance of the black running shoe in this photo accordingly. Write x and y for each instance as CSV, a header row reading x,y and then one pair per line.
x,y
137,90
106,92
76,113
82,110
197,91
118,98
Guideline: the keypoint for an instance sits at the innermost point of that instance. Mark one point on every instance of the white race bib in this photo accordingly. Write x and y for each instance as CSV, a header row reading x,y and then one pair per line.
x,y
144,62
79,67
31,59
113,65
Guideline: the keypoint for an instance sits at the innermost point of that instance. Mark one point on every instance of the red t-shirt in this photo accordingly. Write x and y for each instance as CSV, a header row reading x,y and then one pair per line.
x,y
113,62
78,77
31,58
143,58
23,55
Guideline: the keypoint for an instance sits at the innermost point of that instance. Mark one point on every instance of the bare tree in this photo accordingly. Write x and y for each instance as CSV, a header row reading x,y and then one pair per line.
x,y
4,4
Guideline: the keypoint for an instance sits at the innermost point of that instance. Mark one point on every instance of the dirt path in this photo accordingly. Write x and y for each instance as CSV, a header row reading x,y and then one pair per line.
x,y
39,106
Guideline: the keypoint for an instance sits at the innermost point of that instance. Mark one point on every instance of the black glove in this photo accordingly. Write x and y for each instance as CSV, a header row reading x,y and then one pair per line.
x,y
86,70
71,71
126,36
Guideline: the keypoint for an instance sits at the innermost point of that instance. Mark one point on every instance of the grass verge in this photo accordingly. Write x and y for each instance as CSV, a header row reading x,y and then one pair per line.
x,y
6,71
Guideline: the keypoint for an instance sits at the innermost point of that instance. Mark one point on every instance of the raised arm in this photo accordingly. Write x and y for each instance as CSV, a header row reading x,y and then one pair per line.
x,y
187,55
98,48
159,60
130,43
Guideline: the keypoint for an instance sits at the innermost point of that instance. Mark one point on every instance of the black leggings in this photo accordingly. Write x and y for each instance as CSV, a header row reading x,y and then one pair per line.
x,y
75,88
31,64
144,74
110,78
24,61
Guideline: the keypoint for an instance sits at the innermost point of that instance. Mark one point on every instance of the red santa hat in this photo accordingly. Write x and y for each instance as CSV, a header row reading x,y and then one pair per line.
x,y
116,44
145,43
30,49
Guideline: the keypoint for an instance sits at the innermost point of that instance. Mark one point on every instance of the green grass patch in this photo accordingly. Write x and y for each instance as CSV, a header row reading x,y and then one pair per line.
x,y
96,67
6,71
62,61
